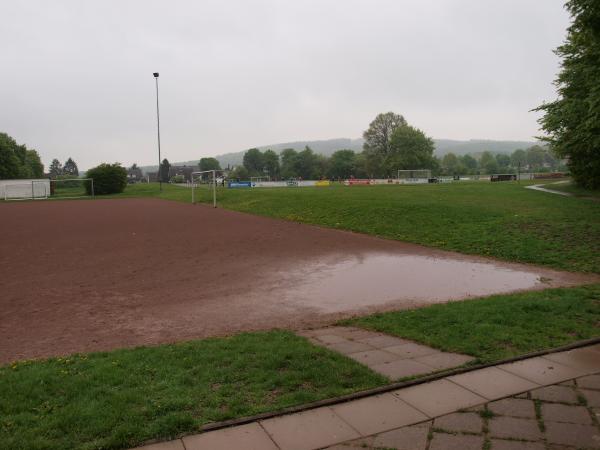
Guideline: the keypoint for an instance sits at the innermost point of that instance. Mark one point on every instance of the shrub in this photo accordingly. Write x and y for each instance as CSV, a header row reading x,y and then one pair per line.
x,y
108,179
178,179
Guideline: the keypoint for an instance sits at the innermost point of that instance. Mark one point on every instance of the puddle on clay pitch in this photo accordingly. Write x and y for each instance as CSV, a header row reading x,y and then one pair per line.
x,y
375,279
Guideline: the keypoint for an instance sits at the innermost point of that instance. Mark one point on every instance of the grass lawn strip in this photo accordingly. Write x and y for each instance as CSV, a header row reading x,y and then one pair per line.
x,y
121,398
500,326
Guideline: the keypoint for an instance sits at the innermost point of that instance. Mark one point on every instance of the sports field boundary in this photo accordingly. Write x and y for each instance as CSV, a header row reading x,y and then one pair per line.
x,y
378,390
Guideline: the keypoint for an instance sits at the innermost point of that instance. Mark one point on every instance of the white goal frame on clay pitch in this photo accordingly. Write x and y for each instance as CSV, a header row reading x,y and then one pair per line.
x,y
414,174
213,182
42,189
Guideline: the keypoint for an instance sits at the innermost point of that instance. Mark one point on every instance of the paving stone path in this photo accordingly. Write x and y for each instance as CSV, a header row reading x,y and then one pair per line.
x,y
550,402
390,356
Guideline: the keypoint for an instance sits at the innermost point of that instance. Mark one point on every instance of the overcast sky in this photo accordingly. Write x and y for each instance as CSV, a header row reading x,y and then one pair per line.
x,y
76,76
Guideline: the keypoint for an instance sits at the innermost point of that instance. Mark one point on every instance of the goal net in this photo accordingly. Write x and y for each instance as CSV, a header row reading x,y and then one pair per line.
x,y
71,188
206,178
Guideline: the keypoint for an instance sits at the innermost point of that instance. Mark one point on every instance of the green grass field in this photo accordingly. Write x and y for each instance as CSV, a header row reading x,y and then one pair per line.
x,y
121,398
502,220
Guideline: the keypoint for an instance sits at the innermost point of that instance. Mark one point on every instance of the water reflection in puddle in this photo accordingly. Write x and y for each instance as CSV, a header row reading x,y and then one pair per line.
x,y
375,279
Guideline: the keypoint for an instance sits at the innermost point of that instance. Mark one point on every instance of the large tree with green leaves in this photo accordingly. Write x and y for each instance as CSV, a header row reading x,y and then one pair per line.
x,y
378,138
17,161
55,169
163,170
253,162
572,122
409,149
342,164
209,164
271,163
70,168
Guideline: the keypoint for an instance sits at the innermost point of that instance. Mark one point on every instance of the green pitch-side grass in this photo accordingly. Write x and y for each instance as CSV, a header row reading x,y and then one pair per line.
x,y
499,326
502,220
119,399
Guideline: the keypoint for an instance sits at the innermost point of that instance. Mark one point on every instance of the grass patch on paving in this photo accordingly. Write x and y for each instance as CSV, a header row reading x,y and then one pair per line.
x,y
121,398
502,220
500,326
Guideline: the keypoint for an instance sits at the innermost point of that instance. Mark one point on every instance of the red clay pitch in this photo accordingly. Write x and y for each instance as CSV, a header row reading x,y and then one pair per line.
x,y
100,274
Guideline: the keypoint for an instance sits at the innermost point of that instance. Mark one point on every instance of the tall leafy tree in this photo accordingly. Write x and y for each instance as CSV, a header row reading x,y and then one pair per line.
x,y
271,163
409,149
378,138
163,170
289,160
535,157
17,161
503,161
518,157
488,163
209,164
450,164
70,168
253,162
469,163
572,122
306,164
342,164
55,168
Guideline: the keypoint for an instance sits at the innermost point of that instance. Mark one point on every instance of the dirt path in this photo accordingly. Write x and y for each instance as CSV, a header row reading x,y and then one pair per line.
x,y
95,275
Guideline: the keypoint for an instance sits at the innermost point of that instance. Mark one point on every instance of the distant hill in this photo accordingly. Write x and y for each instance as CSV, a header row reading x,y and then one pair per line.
x,y
327,147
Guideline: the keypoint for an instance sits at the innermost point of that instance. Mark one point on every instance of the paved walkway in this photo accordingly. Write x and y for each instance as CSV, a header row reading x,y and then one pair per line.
x,y
390,356
564,416
538,187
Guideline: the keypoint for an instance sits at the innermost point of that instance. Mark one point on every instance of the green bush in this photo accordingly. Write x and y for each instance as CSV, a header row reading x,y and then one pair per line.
x,y
108,179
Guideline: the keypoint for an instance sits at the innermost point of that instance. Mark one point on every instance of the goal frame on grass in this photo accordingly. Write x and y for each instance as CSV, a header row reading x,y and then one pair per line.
x,y
38,190
214,183
414,174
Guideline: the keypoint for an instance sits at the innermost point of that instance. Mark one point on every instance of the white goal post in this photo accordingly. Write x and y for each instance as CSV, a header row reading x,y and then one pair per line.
x,y
43,189
212,181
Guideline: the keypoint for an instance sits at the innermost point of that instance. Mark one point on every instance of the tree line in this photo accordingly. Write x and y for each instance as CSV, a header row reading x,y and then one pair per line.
x,y
17,161
391,144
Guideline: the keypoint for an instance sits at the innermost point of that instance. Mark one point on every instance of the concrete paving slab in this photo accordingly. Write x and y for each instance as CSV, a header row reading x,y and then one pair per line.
x,y
443,441
401,368
349,346
411,350
252,435
493,383
330,339
441,361
573,435
500,444
382,341
514,407
468,422
541,371
439,397
556,412
379,413
308,430
408,438
589,382
170,445
582,359
592,398
373,357
514,428
556,393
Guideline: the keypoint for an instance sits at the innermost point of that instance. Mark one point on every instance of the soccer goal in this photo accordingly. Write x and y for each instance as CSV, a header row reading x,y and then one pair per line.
x,y
205,178
414,176
260,179
48,189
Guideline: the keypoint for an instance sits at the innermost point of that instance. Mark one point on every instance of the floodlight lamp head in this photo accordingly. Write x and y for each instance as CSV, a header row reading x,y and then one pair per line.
x,y
155,74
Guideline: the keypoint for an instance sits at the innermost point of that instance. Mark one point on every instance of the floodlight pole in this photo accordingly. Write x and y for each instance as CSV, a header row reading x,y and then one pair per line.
x,y
158,127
